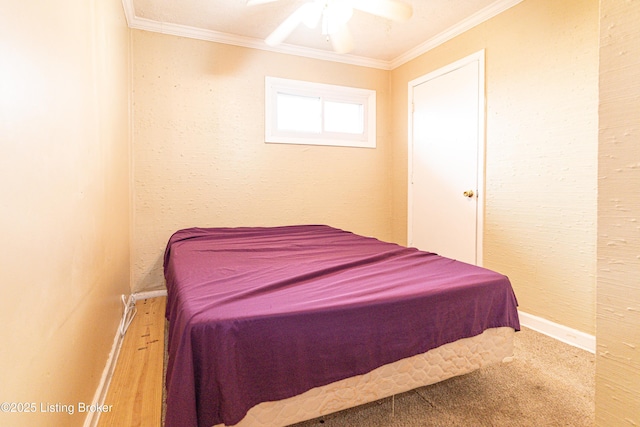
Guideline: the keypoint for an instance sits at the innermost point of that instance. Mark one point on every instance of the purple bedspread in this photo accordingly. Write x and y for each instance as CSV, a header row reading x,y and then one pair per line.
x,y
262,314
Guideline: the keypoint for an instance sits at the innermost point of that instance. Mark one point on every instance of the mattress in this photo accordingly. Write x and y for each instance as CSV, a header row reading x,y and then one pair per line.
x,y
266,314
449,360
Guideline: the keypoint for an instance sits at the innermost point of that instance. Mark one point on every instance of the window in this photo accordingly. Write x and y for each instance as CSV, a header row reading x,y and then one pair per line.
x,y
298,112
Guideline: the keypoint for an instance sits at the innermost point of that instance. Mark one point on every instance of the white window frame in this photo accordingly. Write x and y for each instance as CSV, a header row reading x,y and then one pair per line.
x,y
327,93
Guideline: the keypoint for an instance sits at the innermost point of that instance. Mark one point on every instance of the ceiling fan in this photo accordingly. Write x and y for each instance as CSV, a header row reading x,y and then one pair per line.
x,y
333,16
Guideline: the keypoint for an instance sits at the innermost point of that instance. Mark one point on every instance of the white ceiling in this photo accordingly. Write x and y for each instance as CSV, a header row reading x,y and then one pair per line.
x,y
378,42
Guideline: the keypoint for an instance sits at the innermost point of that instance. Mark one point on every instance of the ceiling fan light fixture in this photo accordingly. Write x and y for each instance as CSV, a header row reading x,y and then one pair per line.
x,y
340,12
334,15
313,14
341,39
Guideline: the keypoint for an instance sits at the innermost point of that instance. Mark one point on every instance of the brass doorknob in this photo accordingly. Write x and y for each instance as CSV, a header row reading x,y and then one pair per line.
x,y
468,194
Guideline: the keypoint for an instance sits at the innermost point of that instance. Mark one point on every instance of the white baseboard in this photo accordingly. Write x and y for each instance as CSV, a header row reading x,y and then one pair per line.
x,y
560,332
150,294
105,380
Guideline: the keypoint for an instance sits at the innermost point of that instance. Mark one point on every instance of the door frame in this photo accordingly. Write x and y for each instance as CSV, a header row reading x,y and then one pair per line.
x,y
480,58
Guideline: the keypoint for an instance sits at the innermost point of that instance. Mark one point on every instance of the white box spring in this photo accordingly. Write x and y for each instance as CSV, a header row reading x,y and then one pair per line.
x,y
456,358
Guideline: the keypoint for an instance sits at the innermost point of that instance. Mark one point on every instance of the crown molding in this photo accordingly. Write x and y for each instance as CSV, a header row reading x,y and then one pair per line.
x,y
214,36
137,23
129,11
465,25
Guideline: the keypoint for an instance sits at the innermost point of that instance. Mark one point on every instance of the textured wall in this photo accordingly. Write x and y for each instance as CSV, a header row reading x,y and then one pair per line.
x,y
64,200
541,151
618,308
200,158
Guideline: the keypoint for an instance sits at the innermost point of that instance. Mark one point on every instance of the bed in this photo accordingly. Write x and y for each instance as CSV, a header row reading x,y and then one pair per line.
x,y
273,325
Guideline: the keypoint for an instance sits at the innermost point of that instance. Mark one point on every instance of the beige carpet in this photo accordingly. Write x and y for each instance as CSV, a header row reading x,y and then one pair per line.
x,y
547,384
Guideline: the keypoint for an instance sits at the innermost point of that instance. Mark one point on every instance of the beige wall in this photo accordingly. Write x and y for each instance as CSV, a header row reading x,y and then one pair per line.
x,y
541,151
200,158
64,200
618,308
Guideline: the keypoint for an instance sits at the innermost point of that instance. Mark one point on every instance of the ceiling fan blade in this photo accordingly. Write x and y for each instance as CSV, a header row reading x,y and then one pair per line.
x,y
389,9
288,25
256,2
341,39
313,14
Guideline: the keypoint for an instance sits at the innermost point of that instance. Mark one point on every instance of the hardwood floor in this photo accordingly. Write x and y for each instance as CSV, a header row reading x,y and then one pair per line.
x,y
136,387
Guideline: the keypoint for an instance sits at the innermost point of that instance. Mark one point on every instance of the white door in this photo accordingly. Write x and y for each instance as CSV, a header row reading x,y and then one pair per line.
x,y
446,147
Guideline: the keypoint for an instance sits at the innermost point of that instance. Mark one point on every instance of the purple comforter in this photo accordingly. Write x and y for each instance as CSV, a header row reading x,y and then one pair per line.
x,y
262,314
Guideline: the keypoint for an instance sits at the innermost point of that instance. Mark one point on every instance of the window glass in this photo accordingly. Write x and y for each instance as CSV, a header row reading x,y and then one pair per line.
x,y
298,112
343,117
